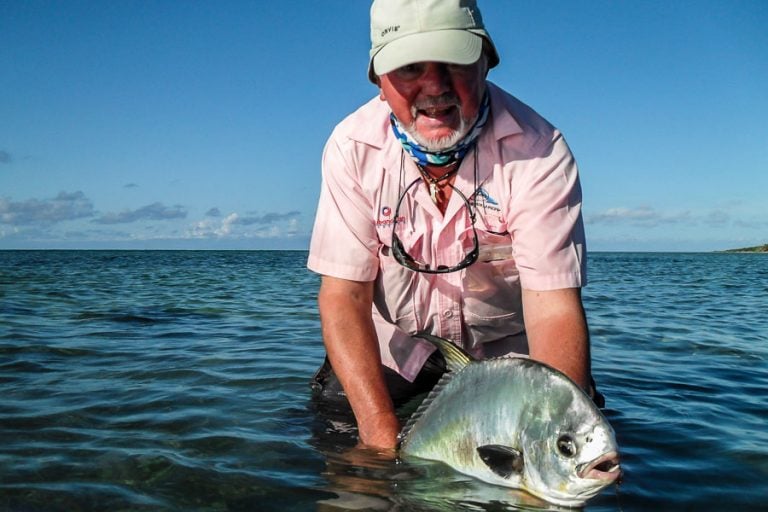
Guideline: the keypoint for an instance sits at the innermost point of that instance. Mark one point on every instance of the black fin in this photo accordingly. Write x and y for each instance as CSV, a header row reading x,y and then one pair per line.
x,y
503,460
455,357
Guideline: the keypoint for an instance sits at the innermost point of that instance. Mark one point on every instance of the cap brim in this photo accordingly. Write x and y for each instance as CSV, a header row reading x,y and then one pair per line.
x,y
452,46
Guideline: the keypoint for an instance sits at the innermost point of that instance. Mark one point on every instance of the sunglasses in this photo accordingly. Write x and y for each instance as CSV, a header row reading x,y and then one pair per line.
x,y
406,260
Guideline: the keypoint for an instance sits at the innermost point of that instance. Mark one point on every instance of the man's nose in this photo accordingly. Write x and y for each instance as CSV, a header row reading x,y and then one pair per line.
x,y
436,79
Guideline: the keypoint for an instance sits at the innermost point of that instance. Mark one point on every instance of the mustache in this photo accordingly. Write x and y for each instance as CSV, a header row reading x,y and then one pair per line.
x,y
444,100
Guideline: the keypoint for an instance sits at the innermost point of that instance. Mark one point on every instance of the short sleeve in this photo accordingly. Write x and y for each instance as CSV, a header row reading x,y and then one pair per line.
x,y
544,215
344,239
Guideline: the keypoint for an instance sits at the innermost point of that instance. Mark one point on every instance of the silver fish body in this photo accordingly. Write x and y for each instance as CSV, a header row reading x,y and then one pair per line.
x,y
517,423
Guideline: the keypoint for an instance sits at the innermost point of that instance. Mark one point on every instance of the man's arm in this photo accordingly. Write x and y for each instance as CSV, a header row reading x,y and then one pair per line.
x,y
556,327
352,347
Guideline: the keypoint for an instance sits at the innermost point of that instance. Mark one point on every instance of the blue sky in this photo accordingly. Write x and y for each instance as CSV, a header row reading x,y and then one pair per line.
x,y
200,125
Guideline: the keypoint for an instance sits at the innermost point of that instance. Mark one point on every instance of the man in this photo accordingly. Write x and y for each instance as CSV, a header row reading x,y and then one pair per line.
x,y
447,206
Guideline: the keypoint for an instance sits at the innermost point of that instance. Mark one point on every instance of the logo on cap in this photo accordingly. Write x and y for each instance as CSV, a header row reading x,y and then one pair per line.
x,y
393,28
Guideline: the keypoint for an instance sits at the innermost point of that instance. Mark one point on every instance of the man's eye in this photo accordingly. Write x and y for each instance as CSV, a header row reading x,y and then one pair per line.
x,y
457,69
409,71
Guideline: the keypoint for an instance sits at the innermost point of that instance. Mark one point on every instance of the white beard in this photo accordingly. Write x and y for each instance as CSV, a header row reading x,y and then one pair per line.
x,y
437,144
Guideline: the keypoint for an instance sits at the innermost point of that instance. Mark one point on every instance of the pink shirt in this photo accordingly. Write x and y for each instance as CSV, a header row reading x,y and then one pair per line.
x,y
528,222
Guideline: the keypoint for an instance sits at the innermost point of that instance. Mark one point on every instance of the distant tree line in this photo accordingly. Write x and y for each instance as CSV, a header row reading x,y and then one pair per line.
x,y
758,248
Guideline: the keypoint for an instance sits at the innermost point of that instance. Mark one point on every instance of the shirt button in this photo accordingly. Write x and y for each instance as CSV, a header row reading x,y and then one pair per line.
x,y
447,313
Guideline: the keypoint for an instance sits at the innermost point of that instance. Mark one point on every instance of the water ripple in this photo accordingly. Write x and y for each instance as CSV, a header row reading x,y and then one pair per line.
x,y
178,381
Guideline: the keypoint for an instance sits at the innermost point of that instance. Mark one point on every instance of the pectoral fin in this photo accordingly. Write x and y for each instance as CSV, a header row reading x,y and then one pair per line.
x,y
505,461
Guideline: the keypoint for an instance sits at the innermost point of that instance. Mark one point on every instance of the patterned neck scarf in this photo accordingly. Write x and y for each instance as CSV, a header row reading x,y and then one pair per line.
x,y
423,156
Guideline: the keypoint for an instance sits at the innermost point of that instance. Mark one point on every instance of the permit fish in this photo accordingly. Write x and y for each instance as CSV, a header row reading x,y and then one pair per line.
x,y
514,422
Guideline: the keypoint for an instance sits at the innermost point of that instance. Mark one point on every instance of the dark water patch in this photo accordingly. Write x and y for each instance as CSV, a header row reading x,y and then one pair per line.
x,y
97,316
20,350
75,497
22,366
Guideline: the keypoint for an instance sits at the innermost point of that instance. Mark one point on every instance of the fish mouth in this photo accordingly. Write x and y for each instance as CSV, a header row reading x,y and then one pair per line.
x,y
606,467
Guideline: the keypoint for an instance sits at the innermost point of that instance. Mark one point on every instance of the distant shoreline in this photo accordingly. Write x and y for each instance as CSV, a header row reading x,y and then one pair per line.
x,y
759,248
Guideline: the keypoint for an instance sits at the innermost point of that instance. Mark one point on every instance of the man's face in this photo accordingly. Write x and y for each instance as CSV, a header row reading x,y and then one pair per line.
x,y
435,102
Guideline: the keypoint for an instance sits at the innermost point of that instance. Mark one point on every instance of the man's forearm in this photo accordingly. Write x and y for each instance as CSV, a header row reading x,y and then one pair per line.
x,y
557,332
352,347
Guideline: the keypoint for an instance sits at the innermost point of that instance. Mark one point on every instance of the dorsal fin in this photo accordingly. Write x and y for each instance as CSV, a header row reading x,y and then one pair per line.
x,y
455,357
444,380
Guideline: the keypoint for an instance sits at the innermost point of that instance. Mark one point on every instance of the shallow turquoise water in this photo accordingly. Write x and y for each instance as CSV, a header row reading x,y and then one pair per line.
x,y
178,381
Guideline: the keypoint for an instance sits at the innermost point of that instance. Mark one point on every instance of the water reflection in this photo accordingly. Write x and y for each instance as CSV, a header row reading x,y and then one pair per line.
x,y
367,479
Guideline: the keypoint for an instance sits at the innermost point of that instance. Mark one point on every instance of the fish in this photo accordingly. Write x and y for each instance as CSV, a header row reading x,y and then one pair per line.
x,y
514,422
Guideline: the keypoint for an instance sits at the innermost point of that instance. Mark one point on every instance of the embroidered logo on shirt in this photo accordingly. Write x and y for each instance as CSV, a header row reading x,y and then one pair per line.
x,y
485,201
386,212
486,197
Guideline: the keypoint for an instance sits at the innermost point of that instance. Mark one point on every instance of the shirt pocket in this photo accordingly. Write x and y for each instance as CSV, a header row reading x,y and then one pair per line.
x,y
492,298
492,301
394,292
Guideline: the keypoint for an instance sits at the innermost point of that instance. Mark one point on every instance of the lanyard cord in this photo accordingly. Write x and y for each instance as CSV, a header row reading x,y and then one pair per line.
x,y
433,182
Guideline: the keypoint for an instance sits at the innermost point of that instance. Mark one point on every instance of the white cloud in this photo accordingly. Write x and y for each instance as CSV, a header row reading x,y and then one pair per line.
x,y
154,211
225,227
648,217
717,218
721,226
65,206
643,215
267,219
270,225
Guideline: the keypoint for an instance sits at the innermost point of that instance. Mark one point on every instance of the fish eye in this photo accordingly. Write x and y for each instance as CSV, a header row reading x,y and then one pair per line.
x,y
566,446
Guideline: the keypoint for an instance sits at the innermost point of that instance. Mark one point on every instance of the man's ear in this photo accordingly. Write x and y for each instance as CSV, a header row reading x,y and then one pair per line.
x,y
382,96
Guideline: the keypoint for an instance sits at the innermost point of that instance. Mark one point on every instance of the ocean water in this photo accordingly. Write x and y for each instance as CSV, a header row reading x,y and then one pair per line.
x,y
165,381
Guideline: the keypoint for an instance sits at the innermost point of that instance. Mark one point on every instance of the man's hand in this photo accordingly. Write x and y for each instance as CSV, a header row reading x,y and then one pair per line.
x,y
379,430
